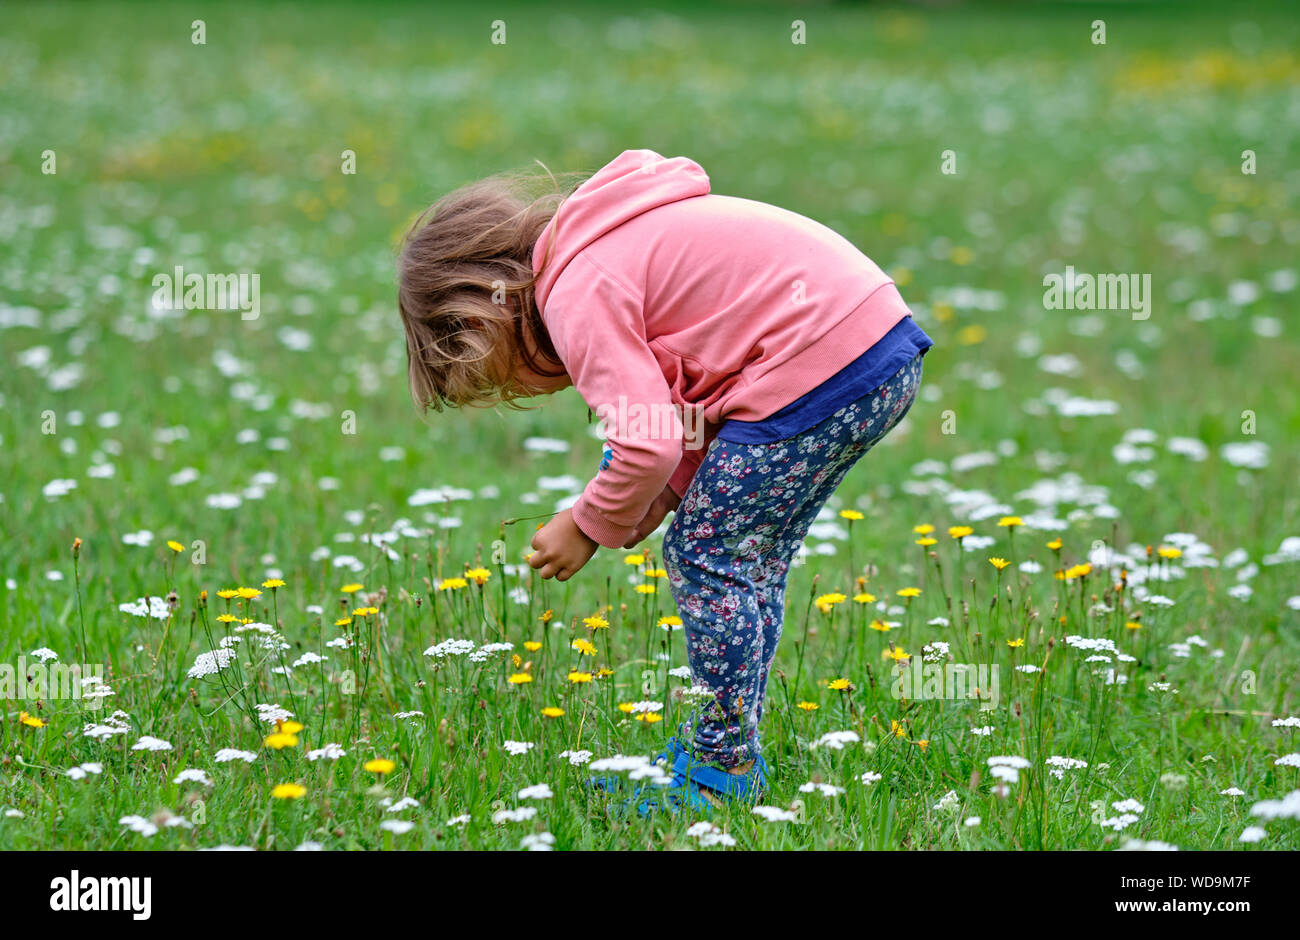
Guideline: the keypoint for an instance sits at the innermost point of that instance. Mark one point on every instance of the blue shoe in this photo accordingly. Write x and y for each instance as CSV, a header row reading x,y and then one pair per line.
x,y
698,787
612,782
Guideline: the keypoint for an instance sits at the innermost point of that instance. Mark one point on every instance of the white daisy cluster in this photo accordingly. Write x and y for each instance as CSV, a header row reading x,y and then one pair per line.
x,y
947,803
707,835
484,652
148,742
1007,768
1286,808
641,708
81,770
273,713
1129,813
450,648
117,723
520,814
636,766
228,754
155,607
774,814
936,651
1059,765
210,663
836,740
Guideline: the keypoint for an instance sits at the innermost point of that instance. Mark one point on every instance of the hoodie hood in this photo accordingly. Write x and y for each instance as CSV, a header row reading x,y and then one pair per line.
x,y
636,181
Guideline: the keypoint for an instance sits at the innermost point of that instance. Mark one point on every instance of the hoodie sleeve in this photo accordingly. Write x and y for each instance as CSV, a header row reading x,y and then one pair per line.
x,y
598,329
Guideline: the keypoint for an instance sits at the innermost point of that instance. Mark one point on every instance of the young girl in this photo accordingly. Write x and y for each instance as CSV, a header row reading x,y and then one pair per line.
x,y
648,294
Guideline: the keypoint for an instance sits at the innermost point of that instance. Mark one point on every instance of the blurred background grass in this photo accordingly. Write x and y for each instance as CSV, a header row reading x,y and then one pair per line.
x,y
1124,157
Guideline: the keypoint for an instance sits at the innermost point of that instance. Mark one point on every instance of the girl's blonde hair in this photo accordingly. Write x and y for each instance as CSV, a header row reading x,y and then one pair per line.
x,y
465,292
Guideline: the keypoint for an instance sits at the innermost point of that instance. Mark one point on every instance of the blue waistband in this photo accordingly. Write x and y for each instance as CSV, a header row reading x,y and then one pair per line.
x,y
865,374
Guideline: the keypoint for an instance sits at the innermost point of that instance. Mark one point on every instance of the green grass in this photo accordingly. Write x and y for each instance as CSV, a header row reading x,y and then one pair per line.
x,y
226,157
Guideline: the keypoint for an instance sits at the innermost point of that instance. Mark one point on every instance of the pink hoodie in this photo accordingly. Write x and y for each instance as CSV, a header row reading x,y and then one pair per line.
x,y
659,294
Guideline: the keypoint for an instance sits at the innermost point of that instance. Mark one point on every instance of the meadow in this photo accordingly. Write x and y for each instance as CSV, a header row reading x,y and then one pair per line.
x,y
305,611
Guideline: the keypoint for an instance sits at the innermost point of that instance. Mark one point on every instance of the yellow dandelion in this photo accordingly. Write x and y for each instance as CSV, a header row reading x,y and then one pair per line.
x,y
1010,522
927,542
670,621
579,678
520,678
923,529
1169,552
249,594
960,531
1054,545
30,721
851,514
228,618
634,559
650,718
838,685
352,588
478,575
880,626
453,584
288,727
999,563
583,647
532,646
342,621
273,583
645,589
1016,643
864,597
1132,625
909,592
175,545
288,791
596,622
809,706
546,615
550,711
280,740
227,593
379,765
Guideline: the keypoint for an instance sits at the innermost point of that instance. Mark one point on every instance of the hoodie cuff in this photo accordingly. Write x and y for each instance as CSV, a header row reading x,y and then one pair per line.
x,y
597,528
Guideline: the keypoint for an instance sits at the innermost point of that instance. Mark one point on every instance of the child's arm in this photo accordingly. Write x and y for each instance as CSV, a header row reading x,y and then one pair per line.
x,y
664,503
596,325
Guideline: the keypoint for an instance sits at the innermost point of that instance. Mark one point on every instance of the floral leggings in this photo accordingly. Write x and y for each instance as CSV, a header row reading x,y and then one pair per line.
x,y
729,547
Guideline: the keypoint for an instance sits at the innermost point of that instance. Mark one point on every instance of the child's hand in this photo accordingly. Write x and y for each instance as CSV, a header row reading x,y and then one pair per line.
x,y
664,503
561,548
